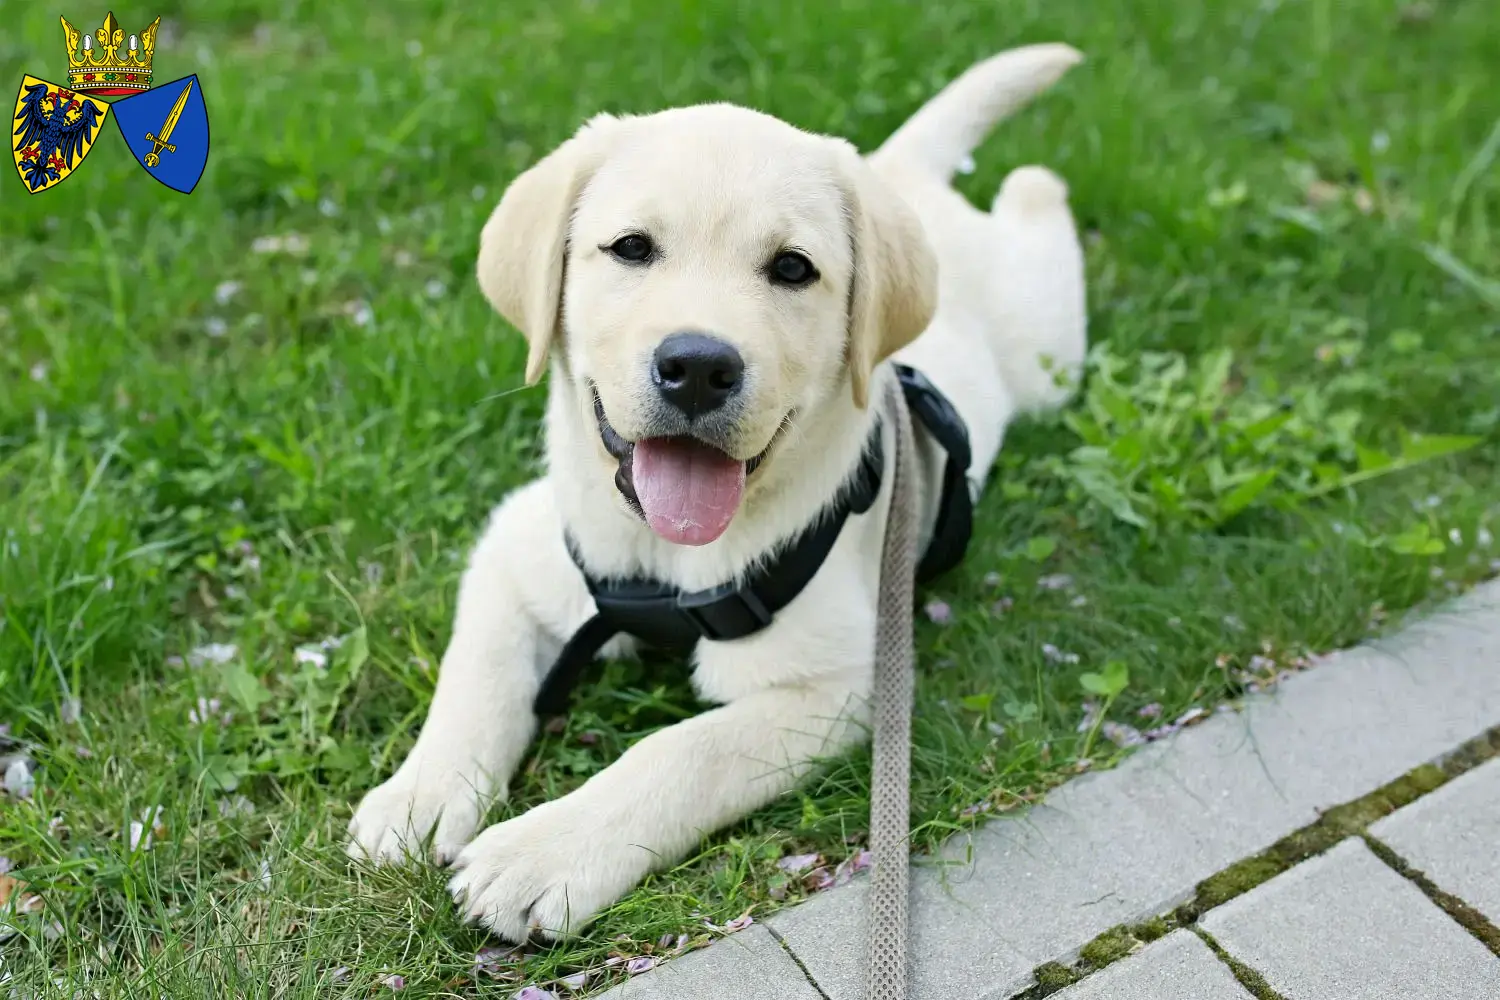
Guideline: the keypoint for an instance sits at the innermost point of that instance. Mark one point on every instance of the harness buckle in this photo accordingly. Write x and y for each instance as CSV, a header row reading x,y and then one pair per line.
x,y
724,612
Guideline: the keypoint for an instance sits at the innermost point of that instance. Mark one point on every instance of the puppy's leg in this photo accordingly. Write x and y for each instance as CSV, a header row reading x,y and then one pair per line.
x,y
1009,335
795,693
481,720
1037,297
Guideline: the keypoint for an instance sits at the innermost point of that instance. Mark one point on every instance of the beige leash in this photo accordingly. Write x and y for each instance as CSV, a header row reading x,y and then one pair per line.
x,y
890,769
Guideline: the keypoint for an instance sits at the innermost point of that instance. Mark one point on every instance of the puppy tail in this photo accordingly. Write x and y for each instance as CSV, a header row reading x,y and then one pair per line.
x,y
946,129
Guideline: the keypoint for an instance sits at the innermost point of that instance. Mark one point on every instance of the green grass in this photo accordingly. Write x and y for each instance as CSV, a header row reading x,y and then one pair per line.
x,y
320,467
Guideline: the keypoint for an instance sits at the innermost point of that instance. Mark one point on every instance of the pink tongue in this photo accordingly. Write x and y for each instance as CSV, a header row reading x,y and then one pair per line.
x,y
688,491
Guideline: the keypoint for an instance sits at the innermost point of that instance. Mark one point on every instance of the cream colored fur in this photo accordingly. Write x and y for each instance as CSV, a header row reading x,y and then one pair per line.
x,y
989,305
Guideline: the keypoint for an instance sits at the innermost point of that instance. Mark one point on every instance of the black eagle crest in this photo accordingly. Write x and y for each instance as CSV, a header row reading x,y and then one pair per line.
x,y
48,143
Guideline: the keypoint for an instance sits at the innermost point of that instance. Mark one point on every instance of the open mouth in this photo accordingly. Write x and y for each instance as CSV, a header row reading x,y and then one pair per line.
x,y
686,490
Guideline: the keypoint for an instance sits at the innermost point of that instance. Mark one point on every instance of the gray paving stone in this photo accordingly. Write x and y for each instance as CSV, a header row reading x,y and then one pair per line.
x,y
1117,847
1453,837
750,965
1343,926
1178,967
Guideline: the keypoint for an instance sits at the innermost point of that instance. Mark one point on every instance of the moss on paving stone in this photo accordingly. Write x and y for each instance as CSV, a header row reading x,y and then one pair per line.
x,y
1050,978
1465,915
1151,930
1472,754
1352,819
1253,981
1106,949
1111,946
1238,878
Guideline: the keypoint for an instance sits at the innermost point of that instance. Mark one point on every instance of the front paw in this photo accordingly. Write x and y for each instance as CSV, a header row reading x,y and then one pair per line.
x,y
547,873
395,818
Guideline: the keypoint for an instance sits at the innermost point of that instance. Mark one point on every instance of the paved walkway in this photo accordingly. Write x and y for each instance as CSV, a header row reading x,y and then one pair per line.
x,y
1339,838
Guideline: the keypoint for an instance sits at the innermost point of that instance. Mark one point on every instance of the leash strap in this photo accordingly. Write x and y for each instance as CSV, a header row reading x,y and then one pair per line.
x,y
890,769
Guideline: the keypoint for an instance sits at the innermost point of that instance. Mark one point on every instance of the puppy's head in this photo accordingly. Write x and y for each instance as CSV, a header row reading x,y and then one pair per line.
x,y
704,277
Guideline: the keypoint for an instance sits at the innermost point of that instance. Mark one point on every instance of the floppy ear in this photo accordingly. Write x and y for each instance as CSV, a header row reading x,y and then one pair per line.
x,y
895,287
524,243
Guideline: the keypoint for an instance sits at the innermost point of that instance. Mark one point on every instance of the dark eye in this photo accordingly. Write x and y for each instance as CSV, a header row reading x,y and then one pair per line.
x,y
634,248
791,268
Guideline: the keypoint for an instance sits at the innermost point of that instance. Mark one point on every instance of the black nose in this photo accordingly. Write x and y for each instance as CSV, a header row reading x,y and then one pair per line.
x,y
696,373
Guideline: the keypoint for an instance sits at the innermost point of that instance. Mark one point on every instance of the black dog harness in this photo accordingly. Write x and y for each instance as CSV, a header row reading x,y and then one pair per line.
x,y
663,616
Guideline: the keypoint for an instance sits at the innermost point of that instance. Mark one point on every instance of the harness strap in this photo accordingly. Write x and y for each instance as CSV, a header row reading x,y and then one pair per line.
x,y
580,649
955,517
663,616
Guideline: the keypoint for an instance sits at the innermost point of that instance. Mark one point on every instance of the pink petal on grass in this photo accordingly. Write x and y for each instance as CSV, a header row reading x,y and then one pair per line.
x,y
795,863
394,982
817,880
938,612
534,993
847,868
640,964
1122,735
739,923
576,981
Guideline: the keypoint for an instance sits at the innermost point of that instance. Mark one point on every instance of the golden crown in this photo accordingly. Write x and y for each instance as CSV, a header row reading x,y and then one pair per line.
x,y
105,63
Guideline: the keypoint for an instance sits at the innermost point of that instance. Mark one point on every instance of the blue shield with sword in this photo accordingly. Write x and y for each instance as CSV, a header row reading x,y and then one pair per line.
x,y
166,129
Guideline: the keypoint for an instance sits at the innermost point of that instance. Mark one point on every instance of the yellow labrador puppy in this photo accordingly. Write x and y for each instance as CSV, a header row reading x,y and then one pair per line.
x,y
719,297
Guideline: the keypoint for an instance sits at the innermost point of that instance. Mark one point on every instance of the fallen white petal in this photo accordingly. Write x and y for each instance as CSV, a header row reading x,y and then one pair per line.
x,y
213,653
797,862
19,782
310,655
